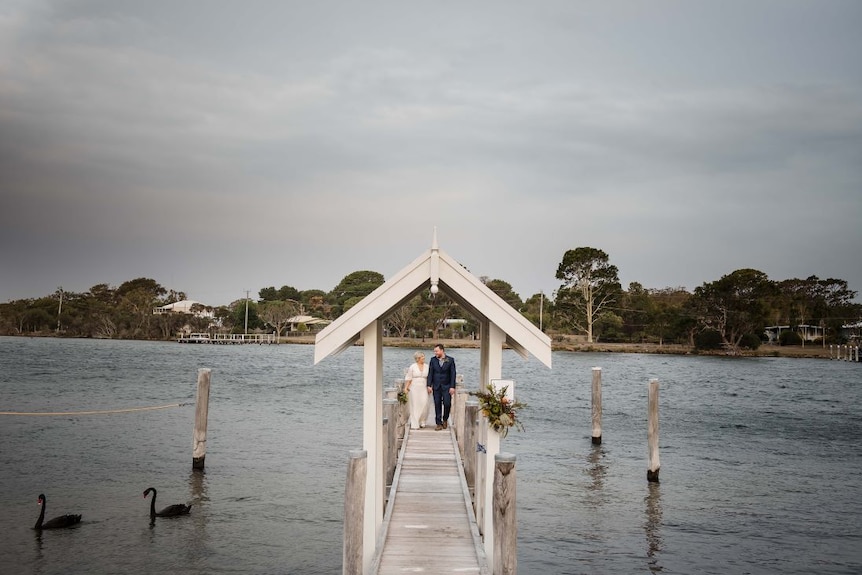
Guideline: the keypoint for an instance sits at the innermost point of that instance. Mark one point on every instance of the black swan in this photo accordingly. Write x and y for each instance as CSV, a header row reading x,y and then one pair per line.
x,y
57,522
169,511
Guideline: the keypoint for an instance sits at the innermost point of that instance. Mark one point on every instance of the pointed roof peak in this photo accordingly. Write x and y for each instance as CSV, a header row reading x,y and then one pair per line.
x,y
437,270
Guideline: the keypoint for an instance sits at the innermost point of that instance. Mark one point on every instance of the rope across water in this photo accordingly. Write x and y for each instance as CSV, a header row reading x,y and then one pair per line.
x,y
94,412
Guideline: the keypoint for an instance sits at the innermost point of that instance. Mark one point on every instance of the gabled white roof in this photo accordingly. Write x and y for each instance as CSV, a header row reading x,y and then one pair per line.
x,y
434,267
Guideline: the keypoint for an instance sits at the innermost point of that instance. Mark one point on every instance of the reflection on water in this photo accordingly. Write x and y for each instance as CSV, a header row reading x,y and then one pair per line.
x,y
271,498
597,470
198,485
200,540
652,525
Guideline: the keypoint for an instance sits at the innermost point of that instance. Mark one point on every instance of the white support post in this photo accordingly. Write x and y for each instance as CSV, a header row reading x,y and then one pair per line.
x,y
372,437
496,339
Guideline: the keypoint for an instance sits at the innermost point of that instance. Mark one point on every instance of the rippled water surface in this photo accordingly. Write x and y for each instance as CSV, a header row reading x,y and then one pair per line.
x,y
761,460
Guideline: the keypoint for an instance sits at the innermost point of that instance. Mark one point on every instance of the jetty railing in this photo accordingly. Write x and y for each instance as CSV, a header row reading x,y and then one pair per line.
x,y
494,520
228,338
845,352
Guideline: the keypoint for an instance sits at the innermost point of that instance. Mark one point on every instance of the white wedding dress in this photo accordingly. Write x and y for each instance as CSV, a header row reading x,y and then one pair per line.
x,y
417,397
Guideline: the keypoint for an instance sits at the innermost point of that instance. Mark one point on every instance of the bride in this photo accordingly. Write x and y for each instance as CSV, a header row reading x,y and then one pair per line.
x,y
417,390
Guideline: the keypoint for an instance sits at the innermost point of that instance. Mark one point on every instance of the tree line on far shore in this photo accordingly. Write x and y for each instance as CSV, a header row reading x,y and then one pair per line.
x,y
732,312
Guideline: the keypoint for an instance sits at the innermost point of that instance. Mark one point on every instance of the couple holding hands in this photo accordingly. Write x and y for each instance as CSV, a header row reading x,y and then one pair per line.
x,y
435,378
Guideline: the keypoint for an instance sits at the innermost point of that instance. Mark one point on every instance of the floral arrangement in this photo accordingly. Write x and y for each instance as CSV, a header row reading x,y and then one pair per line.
x,y
499,409
402,397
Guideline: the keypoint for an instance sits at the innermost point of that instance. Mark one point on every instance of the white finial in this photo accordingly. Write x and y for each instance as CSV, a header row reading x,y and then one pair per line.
x,y
435,265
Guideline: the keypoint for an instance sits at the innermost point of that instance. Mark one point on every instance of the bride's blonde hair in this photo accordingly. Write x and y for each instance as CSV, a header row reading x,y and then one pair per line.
x,y
417,355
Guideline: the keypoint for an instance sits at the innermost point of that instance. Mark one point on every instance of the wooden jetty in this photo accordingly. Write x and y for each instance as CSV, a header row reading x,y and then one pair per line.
x,y
366,508
228,338
429,525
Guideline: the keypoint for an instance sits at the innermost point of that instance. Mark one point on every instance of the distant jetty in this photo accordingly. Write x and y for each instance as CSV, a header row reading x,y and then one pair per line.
x,y
228,338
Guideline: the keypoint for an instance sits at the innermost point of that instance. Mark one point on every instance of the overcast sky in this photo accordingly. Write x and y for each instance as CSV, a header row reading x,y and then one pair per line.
x,y
225,147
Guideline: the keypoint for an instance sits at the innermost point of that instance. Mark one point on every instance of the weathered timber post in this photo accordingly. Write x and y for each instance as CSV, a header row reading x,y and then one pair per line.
x,y
389,438
403,412
471,410
461,395
384,458
597,406
202,405
505,516
354,512
652,432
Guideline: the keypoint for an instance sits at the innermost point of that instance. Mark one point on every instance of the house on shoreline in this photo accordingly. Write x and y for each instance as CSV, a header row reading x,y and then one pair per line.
x,y
188,306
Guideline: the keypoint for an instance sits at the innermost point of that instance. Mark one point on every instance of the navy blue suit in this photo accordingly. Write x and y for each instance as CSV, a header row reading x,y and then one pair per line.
x,y
441,378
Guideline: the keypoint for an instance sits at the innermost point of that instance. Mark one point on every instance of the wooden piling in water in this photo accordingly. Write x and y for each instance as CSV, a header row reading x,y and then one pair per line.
x,y
652,432
202,403
597,406
354,513
505,516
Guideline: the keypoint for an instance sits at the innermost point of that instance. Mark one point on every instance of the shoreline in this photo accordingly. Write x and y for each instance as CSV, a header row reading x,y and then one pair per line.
x,y
810,351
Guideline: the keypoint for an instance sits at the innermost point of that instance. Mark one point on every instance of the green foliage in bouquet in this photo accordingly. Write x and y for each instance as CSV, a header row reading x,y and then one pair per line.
x,y
500,411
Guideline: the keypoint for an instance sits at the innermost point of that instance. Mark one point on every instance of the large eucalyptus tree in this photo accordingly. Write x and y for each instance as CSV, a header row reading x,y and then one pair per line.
x,y
590,285
735,305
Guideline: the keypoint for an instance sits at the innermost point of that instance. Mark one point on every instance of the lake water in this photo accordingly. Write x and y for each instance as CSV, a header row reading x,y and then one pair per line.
x,y
761,460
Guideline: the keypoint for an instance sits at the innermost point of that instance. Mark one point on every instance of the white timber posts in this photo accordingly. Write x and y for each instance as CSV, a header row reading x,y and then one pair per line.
x,y
652,432
493,338
354,507
202,403
400,411
461,396
372,437
505,516
385,456
403,410
471,411
390,415
597,406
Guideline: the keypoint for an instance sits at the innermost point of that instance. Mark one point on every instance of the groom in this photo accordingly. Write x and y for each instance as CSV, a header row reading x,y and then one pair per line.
x,y
441,382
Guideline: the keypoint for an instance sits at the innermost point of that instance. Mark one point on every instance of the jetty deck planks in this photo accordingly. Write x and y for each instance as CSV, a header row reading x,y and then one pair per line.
x,y
430,529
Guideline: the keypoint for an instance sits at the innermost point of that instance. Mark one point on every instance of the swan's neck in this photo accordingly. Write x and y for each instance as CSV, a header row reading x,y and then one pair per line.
x,y
153,504
41,515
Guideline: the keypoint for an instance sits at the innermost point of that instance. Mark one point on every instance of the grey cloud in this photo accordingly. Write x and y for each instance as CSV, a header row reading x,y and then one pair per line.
x,y
340,138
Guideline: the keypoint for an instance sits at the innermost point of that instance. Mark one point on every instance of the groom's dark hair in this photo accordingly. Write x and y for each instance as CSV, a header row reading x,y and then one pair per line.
x,y
440,345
